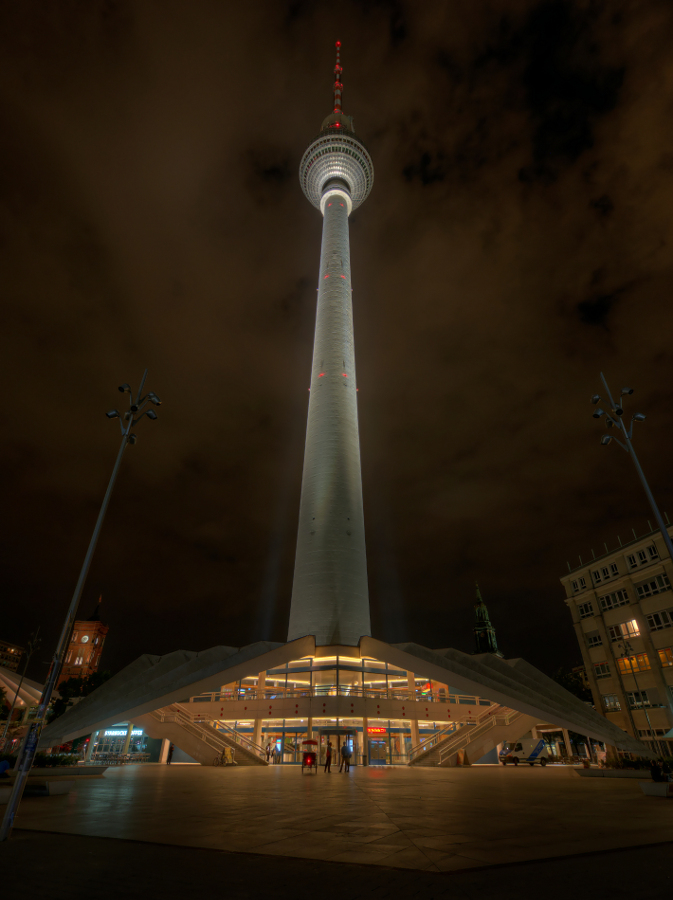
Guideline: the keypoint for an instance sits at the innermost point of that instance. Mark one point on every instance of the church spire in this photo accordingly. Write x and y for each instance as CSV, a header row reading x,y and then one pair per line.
x,y
484,632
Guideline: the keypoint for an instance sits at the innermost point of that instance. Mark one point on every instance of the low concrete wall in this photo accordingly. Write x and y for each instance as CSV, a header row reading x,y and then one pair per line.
x,y
609,773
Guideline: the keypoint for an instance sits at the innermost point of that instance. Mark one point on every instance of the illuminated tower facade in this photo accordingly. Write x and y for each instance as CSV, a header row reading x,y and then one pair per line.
x,y
330,597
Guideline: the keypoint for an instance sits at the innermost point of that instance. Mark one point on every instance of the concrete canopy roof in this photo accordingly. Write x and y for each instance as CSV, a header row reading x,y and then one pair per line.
x,y
155,681
511,682
152,682
30,692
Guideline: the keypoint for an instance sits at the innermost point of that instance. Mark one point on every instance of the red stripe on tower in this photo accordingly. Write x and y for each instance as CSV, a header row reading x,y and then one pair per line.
x,y
338,86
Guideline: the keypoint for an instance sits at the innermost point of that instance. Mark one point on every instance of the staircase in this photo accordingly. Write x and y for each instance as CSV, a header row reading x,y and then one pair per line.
x,y
198,738
493,726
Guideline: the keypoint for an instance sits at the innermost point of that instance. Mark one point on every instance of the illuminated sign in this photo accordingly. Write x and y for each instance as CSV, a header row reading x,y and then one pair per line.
x,y
114,732
375,729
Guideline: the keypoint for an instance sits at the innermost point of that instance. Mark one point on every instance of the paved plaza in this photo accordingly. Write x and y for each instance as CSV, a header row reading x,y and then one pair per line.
x,y
437,820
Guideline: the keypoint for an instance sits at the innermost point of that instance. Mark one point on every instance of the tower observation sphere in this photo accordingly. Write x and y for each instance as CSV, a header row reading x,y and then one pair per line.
x,y
330,597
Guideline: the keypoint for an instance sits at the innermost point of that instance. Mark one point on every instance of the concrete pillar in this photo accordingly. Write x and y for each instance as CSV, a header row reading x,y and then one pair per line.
x,y
127,741
163,753
534,734
309,729
566,741
89,749
411,683
259,723
365,741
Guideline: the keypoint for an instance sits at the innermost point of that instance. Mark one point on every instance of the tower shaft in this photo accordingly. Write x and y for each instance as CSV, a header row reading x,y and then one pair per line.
x,y
330,598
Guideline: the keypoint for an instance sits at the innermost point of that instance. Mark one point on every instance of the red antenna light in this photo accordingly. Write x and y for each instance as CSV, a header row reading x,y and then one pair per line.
x,y
338,86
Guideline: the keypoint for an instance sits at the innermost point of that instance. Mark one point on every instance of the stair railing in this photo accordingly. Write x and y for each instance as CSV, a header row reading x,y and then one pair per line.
x,y
463,739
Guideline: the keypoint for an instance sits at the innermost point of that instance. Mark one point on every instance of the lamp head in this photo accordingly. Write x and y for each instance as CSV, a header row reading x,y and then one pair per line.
x,y
639,417
627,391
151,414
618,411
152,397
113,414
605,440
598,413
595,399
125,387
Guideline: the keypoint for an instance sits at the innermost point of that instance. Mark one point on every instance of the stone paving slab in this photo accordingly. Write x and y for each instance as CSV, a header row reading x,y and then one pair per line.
x,y
63,866
430,820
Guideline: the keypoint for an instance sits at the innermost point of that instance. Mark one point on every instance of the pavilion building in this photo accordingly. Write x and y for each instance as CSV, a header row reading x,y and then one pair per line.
x,y
333,680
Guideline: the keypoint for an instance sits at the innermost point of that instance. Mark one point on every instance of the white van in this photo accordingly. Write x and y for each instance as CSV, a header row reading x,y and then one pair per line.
x,y
526,750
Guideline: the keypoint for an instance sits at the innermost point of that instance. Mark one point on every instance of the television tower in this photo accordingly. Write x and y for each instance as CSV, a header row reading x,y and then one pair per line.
x,y
330,598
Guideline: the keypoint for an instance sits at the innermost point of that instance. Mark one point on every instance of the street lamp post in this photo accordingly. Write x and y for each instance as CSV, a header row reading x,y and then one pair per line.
x,y
32,646
138,407
627,650
614,419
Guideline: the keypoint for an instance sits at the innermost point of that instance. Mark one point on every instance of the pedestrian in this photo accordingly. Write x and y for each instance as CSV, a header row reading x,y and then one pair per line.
x,y
342,755
170,755
346,754
328,757
268,751
666,770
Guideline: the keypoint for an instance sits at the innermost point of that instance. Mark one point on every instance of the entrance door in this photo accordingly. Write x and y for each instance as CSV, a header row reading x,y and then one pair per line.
x,y
378,752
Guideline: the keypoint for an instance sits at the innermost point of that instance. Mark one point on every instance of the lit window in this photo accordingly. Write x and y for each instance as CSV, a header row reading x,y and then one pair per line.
x,y
623,630
78,661
630,664
611,703
666,656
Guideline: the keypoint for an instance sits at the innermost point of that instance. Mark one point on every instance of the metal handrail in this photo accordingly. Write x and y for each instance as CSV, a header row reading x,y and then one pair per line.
x,y
462,740
253,693
433,739
196,726
425,745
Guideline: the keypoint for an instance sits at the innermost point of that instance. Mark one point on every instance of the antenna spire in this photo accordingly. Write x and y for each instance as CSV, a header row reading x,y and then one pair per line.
x,y
338,86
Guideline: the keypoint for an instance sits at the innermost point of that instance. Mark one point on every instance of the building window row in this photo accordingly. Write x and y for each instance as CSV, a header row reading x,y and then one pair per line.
x,y
640,662
601,670
638,699
645,732
611,601
579,585
605,573
585,610
657,586
642,557
594,640
659,620
624,630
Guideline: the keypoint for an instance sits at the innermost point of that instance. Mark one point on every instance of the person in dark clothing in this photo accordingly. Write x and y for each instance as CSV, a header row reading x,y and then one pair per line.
x,y
346,756
655,771
328,757
170,755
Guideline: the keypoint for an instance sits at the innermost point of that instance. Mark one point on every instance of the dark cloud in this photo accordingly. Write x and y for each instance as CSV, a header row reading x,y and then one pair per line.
x,y
150,215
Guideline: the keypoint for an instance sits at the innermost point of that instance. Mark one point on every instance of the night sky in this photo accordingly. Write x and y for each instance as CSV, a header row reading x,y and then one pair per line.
x,y
517,241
